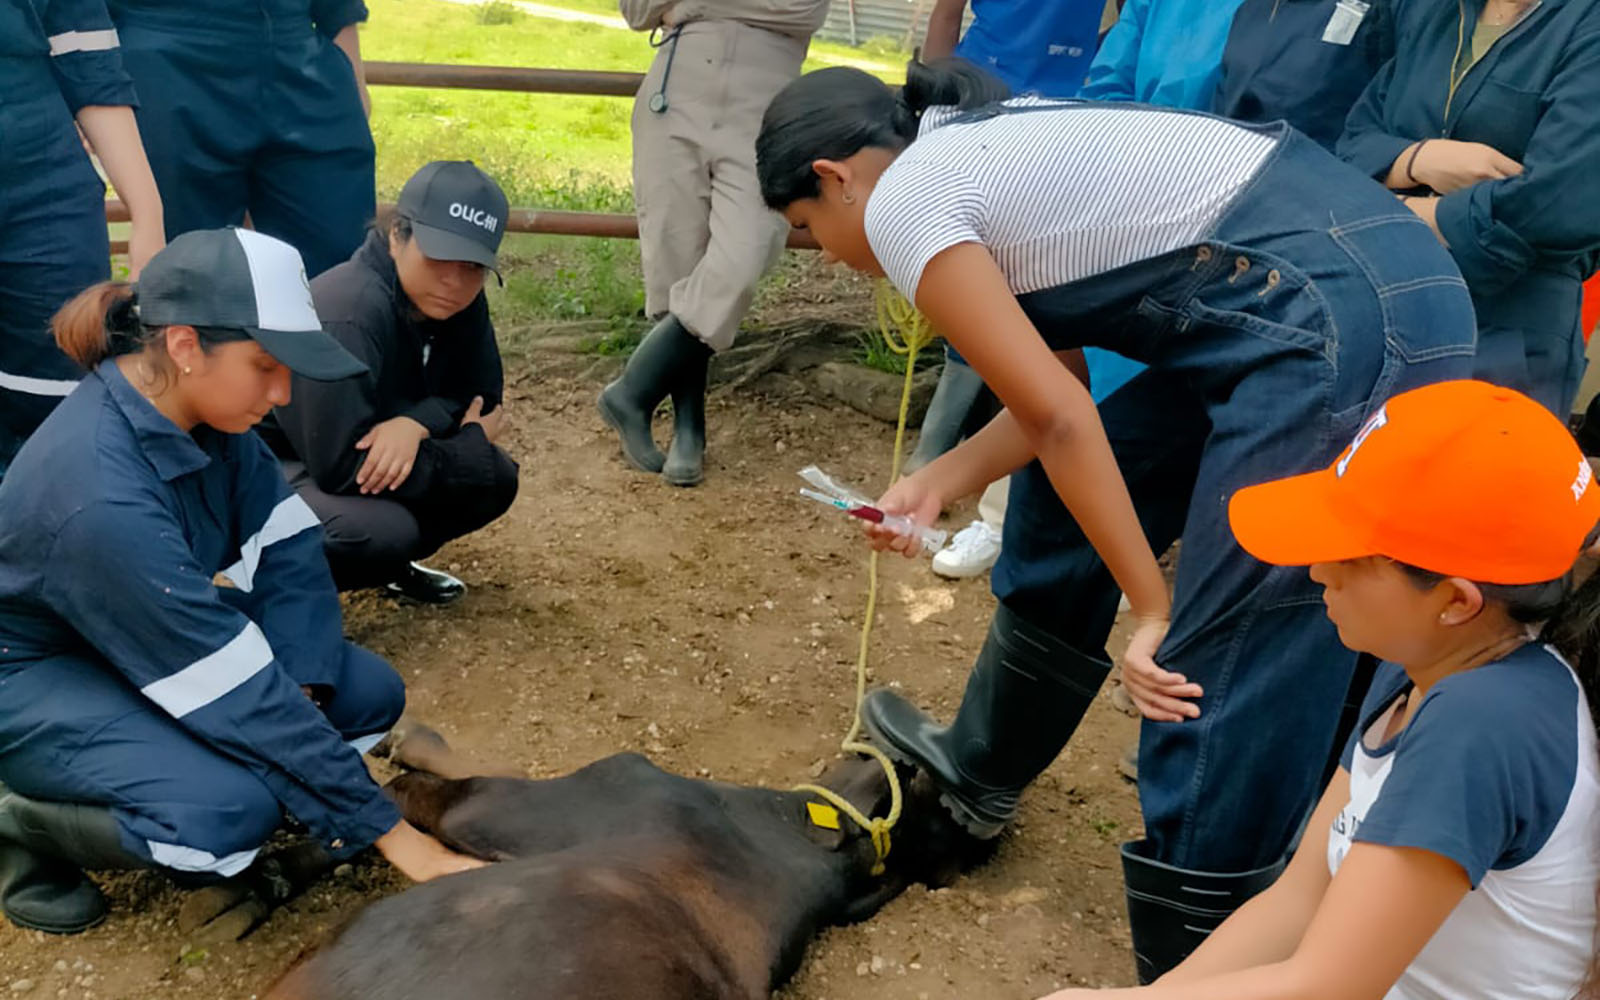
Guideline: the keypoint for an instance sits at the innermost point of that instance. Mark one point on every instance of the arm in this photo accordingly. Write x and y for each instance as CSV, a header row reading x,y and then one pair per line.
x,y
280,577
206,665
324,420
944,29
965,296
1366,143
1113,73
113,134
1498,228
349,41
86,60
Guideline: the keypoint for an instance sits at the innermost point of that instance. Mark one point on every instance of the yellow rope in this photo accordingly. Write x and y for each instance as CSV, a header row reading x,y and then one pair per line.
x,y
894,313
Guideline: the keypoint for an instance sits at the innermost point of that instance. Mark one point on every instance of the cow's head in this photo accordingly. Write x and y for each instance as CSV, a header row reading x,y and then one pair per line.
x,y
927,844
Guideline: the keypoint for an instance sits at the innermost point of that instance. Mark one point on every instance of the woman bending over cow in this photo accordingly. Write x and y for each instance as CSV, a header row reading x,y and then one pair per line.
x,y
151,717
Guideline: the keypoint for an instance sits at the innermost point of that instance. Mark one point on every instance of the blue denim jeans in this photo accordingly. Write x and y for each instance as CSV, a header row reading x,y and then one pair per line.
x,y
1316,296
53,244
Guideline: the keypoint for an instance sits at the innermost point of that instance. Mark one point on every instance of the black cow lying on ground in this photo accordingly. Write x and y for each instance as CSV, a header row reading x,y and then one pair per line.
x,y
623,882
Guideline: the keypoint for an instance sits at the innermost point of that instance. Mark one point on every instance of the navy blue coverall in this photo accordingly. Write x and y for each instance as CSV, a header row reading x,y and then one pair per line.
x,y
1289,60
1525,244
247,105
56,56
129,679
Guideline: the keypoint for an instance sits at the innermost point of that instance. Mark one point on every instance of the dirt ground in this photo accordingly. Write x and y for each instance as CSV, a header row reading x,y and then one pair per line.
x,y
713,629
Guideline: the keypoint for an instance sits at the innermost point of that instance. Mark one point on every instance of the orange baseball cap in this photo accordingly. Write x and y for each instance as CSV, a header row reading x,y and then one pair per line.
x,y
1461,478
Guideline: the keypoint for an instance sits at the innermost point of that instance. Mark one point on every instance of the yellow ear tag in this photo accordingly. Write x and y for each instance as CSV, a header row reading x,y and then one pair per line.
x,y
826,817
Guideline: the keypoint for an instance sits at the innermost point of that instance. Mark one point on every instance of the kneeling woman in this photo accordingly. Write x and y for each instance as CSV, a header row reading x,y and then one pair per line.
x,y
402,459
1276,295
1453,854
148,716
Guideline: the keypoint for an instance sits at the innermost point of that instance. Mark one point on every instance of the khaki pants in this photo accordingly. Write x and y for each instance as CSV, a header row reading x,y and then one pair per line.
x,y
705,235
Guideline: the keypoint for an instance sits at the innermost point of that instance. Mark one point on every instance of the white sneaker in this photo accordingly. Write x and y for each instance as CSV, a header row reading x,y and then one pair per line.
x,y
971,552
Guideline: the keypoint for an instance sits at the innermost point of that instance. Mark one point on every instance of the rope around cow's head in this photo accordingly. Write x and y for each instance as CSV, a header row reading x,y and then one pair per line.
x,y
906,332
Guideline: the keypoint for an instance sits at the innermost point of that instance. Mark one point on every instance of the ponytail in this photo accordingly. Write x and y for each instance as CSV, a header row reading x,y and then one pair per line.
x,y
834,113
101,322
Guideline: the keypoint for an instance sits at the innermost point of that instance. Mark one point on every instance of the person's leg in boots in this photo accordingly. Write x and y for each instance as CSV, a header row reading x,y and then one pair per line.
x,y
746,238
140,792
1044,657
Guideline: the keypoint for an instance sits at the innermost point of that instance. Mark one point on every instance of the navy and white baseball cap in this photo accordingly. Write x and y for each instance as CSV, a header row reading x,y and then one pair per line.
x,y
238,279
457,212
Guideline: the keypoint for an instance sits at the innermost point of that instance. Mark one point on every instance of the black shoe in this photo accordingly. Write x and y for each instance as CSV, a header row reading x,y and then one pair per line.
x,y
1026,695
426,586
958,389
44,848
667,354
686,457
1171,911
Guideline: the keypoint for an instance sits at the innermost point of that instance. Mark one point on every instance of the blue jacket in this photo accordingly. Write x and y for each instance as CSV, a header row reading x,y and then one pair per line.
x,y
114,524
70,40
1280,64
1535,97
1166,52
1035,46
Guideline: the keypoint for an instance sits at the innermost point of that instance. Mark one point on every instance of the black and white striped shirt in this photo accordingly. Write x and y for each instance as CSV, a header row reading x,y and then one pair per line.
x,y
1058,195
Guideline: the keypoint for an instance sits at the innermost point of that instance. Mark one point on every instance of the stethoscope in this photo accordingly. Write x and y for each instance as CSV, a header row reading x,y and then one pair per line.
x,y
658,100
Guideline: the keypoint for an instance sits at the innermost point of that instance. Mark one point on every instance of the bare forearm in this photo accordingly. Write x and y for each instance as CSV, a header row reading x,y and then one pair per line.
x,y
1078,459
997,450
113,134
1265,930
1399,177
944,29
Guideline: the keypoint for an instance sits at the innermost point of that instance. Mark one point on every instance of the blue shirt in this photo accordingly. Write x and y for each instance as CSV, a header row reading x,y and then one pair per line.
x,y
1166,52
114,523
1035,46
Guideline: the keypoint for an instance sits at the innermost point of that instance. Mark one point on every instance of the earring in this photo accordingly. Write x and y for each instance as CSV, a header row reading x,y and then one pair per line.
x,y
187,370
849,198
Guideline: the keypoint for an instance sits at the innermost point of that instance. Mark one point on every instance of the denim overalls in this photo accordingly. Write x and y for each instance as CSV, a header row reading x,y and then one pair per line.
x,y
1316,296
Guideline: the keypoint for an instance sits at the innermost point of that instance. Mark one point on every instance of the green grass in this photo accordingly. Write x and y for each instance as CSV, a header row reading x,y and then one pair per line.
x,y
553,151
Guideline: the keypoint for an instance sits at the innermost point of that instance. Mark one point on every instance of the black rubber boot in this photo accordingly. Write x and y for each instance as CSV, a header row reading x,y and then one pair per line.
x,y
426,586
686,457
958,389
1171,911
44,848
1026,695
627,404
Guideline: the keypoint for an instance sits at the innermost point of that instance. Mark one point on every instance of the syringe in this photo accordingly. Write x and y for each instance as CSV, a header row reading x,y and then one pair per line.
x,y
932,539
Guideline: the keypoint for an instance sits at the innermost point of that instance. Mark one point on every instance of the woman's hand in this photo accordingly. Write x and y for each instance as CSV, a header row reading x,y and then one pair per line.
x,y
493,423
1448,165
915,497
420,857
1158,693
391,448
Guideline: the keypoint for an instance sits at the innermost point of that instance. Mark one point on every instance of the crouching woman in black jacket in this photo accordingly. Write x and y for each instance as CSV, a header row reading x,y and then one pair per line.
x,y
404,459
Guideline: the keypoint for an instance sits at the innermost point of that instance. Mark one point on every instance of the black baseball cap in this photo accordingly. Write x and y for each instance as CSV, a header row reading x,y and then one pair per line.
x,y
238,279
457,212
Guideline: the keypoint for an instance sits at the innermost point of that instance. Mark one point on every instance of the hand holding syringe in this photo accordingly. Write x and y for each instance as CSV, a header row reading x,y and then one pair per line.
x,y
840,497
